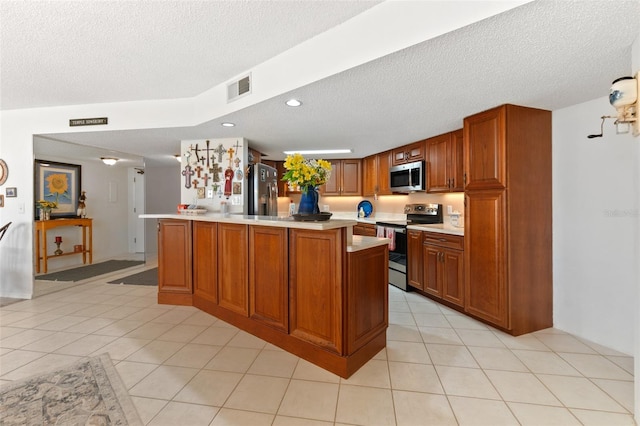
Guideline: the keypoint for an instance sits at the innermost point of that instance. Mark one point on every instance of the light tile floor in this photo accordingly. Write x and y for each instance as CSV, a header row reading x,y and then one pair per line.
x,y
185,367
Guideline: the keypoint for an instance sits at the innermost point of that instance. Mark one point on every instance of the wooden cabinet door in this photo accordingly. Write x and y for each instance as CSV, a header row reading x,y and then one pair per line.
x,y
409,153
485,149
456,161
269,276
375,174
205,255
351,180
345,178
370,176
384,163
431,259
414,259
174,256
316,269
367,296
452,273
485,256
438,149
332,186
365,229
232,268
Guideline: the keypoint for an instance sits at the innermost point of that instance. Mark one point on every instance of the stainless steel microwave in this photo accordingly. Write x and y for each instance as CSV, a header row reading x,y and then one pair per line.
x,y
408,177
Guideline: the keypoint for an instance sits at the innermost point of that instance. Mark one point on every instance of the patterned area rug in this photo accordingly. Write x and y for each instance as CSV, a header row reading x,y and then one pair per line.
x,y
88,392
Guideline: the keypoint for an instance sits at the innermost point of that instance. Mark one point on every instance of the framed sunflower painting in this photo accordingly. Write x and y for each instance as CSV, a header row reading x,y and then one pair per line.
x,y
57,185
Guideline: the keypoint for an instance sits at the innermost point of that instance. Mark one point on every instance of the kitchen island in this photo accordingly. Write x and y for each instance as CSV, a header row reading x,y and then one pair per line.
x,y
311,288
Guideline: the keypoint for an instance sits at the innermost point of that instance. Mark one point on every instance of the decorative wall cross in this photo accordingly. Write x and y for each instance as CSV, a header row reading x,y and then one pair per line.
x,y
195,151
215,170
187,173
207,149
237,145
220,151
198,170
206,179
195,183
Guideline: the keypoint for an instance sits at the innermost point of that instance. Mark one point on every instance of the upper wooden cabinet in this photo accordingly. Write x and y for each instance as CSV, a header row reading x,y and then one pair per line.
x,y
345,178
445,171
375,174
408,153
485,156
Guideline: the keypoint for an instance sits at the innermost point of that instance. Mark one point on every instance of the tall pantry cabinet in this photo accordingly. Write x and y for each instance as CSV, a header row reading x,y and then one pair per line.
x,y
508,240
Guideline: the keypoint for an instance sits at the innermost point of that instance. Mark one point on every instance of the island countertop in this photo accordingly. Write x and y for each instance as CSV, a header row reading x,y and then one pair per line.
x,y
354,242
277,221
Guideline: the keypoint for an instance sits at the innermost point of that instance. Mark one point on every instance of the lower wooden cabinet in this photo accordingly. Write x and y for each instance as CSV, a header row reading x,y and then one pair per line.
x,y
415,275
443,266
300,289
233,274
366,229
316,268
367,313
174,261
205,271
486,269
269,276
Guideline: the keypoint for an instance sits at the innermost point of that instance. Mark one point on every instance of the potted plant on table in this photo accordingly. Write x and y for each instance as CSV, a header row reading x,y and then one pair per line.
x,y
308,175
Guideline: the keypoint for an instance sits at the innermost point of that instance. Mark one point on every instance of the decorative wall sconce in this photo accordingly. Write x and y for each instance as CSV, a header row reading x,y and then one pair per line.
x,y
623,96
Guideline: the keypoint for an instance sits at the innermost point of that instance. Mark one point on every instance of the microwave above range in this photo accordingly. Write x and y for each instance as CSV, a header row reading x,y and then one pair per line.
x,y
408,177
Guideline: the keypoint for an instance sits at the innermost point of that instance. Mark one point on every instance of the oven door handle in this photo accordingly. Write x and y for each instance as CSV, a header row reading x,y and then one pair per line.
x,y
398,230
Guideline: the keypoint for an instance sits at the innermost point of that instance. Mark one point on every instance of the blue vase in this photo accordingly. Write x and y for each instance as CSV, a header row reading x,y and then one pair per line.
x,y
309,201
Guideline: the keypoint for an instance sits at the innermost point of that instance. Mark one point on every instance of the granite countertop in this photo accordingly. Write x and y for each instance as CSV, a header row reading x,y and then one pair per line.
x,y
360,242
276,221
441,228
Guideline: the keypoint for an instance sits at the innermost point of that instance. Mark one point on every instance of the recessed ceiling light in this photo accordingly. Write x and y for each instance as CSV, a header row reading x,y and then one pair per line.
x,y
293,103
319,151
227,124
109,161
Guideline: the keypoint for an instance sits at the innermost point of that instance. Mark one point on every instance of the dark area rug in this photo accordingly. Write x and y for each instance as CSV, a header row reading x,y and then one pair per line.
x,y
148,277
87,392
88,271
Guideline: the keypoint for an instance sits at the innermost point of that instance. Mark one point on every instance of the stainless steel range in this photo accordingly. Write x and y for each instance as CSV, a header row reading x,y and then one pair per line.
x,y
415,214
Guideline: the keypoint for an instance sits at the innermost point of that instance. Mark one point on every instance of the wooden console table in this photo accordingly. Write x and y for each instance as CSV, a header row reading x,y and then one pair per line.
x,y
41,227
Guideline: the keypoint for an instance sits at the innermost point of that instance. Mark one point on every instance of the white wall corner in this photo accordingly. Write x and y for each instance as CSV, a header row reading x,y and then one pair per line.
x,y
635,68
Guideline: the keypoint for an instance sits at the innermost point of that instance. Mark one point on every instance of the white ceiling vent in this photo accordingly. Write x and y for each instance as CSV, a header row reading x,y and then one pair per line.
x,y
239,88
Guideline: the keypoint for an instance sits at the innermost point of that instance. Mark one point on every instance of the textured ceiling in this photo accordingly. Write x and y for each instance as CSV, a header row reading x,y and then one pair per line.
x,y
545,54
82,52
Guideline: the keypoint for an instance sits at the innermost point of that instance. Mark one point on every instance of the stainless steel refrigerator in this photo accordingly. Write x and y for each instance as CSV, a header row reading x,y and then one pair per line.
x,y
263,190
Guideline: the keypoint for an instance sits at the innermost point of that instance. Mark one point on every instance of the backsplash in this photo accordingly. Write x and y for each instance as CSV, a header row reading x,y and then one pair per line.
x,y
386,205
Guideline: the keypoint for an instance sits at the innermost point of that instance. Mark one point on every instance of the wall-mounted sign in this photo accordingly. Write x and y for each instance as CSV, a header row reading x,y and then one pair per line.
x,y
88,121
